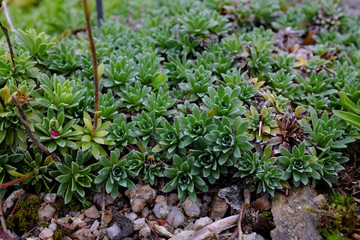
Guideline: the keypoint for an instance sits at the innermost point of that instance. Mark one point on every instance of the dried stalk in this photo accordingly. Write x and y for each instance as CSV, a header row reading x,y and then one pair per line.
x,y
94,63
4,29
3,223
13,182
22,117
7,15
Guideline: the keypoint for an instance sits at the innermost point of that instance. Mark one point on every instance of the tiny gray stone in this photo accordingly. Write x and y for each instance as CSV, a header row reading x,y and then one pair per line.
x,y
175,217
46,233
252,236
84,234
161,210
143,195
50,198
191,208
52,226
139,224
94,226
92,213
145,232
46,213
173,199
132,216
319,200
145,212
113,231
202,222
161,199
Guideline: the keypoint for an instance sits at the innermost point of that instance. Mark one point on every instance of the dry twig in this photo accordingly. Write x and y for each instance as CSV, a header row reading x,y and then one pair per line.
x,y
152,229
3,224
4,29
64,225
7,15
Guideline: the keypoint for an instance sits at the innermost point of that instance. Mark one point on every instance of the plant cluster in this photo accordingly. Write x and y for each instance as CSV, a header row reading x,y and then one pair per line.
x,y
197,92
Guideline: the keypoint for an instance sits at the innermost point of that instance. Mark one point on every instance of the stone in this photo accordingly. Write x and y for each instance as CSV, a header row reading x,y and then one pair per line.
x,y
64,220
94,226
319,200
191,208
161,230
92,212
262,204
125,224
11,200
52,226
252,236
176,217
107,217
139,224
132,216
145,212
84,234
145,232
161,199
98,199
143,195
113,231
292,221
218,208
47,213
50,197
78,222
173,199
178,230
202,222
46,233
183,235
161,209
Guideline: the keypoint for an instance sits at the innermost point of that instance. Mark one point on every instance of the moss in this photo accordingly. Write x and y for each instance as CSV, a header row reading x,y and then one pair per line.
x,y
267,214
60,233
26,215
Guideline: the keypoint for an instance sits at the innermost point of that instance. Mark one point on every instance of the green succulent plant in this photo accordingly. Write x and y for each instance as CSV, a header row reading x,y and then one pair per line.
x,y
119,72
269,178
22,69
121,132
58,92
36,43
90,138
63,59
145,166
225,102
132,97
260,59
54,131
75,175
229,139
352,118
283,84
148,67
299,166
261,124
114,173
183,178
248,164
198,83
160,103
108,106
145,125
8,164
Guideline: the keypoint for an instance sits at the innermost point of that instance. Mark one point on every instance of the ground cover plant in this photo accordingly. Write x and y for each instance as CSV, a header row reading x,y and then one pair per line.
x,y
187,95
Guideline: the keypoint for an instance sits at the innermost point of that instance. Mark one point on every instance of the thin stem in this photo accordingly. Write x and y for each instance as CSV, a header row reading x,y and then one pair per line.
x,y
7,15
94,62
4,29
13,182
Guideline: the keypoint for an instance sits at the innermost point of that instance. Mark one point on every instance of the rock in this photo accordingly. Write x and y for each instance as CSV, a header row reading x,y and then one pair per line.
x,y
52,226
92,212
252,236
11,200
161,209
292,221
191,208
138,224
262,204
143,195
98,199
46,233
173,199
162,231
94,226
202,222
178,230
218,208
50,197
84,234
113,231
183,235
107,218
233,196
161,199
64,220
145,212
145,232
319,200
46,213
78,222
175,217
125,224
132,216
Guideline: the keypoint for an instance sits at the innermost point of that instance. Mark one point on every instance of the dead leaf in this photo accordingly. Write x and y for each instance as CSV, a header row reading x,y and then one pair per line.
x,y
309,40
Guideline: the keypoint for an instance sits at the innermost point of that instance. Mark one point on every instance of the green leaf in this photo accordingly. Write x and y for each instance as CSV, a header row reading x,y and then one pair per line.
x,y
349,117
160,80
52,147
